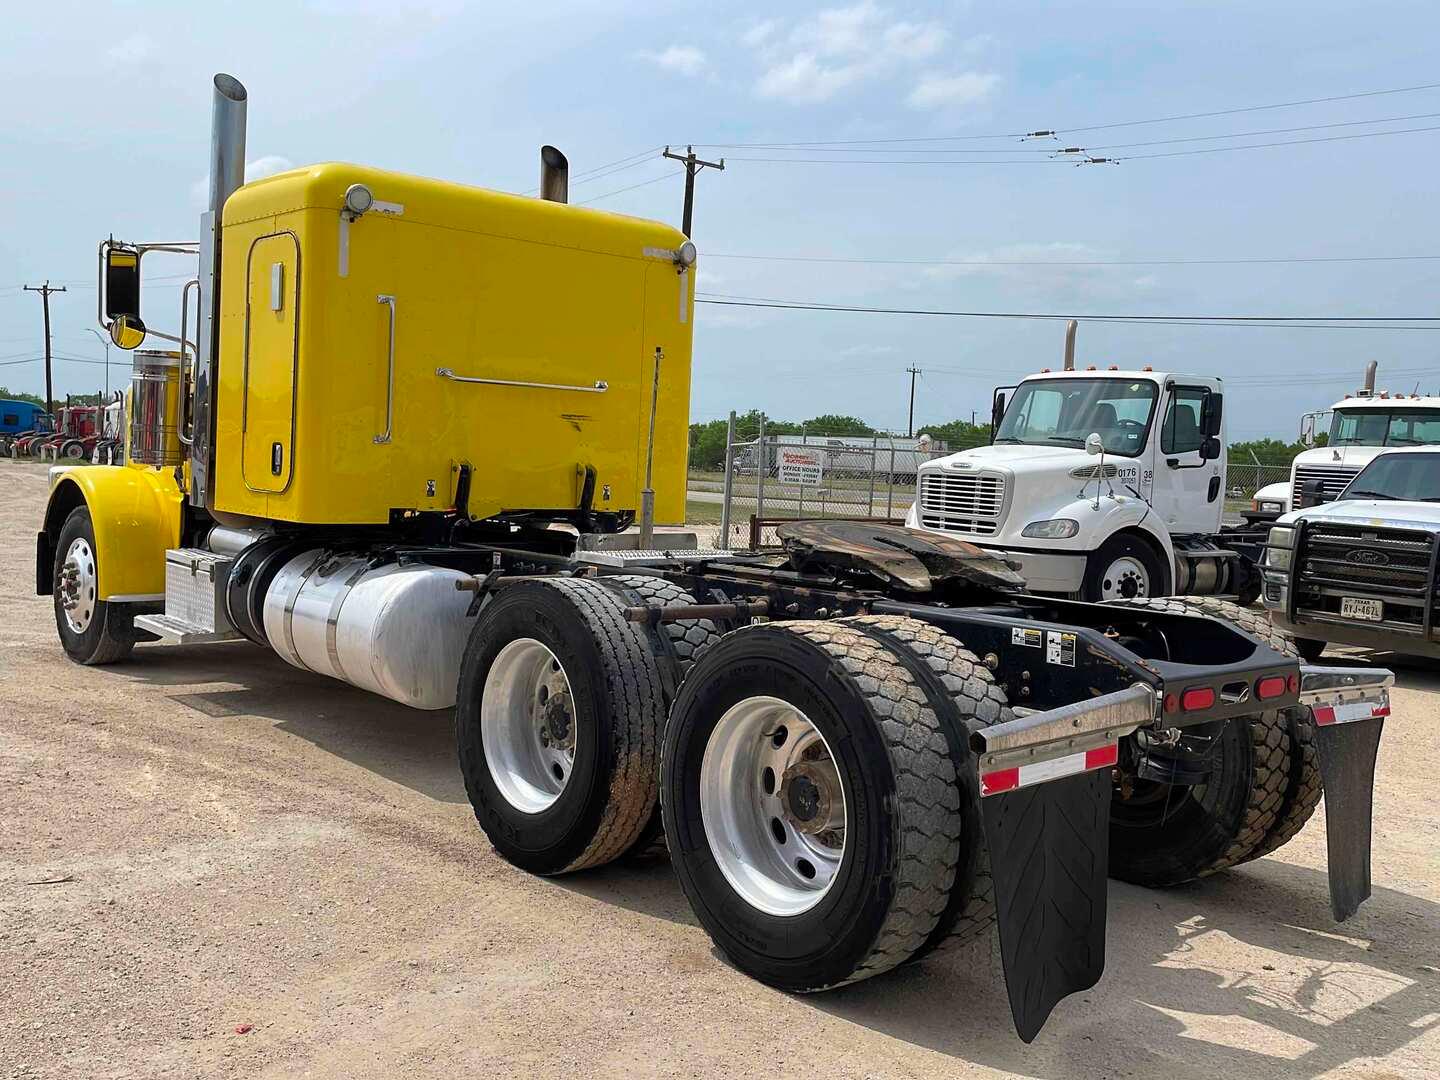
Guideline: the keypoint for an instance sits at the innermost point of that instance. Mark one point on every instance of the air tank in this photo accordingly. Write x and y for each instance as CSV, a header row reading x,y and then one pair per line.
x,y
398,631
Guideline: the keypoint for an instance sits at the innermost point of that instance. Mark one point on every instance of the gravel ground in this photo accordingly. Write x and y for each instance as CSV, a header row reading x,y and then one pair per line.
x,y
215,865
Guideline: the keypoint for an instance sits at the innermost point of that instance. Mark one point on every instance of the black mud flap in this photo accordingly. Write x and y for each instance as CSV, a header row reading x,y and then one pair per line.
x,y
1049,852
1347,769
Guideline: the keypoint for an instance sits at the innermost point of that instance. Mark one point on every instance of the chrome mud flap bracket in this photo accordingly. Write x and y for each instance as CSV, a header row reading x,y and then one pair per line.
x,y
1045,800
1349,706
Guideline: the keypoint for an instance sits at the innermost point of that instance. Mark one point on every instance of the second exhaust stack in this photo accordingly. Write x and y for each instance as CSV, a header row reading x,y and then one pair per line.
x,y
554,175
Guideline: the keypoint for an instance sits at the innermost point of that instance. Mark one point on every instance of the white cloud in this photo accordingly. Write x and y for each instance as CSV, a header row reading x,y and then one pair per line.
x,y
255,169
1048,273
132,50
937,91
836,49
681,59
759,33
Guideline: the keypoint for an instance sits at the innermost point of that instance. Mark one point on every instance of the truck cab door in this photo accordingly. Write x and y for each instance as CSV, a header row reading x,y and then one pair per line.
x,y
1188,491
271,363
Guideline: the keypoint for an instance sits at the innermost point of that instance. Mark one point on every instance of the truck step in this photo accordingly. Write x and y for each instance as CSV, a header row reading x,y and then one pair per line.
x,y
650,557
174,631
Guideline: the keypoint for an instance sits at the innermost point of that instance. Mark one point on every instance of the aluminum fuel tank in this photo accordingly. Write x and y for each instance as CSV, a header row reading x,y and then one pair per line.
x,y
396,630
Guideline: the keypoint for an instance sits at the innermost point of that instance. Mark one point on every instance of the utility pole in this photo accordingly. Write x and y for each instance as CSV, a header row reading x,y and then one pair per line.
x,y
106,342
45,291
910,427
692,166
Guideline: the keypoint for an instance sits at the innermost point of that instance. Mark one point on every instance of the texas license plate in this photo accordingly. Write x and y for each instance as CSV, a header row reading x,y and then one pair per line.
x,y
1352,607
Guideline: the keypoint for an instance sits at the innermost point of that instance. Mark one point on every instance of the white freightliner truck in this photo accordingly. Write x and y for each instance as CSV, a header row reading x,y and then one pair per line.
x,y
1135,512
1362,426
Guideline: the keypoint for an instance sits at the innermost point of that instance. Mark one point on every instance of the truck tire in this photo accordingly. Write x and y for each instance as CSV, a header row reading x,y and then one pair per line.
x,y
966,698
1123,568
683,642
558,717
1283,780
92,631
811,805
74,450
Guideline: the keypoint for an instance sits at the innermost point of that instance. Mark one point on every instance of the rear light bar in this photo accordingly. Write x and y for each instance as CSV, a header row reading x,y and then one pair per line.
x,y
1272,686
1197,698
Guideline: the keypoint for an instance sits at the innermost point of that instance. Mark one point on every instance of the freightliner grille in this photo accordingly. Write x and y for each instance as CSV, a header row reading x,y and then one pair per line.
x,y
970,504
1394,566
1333,480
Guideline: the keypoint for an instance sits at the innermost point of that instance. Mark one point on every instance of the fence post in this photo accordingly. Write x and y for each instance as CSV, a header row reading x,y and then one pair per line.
x,y
729,488
890,483
764,470
870,502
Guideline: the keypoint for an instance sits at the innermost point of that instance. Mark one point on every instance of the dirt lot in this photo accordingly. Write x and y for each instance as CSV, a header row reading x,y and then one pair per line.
x,y
235,843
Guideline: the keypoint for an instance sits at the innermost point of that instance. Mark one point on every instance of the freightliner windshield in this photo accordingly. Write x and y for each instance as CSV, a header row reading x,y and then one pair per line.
x,y
1385,427
1063,412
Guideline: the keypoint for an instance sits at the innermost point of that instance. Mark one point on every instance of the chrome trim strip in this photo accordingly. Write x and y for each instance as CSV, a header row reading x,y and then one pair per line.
x,y
448,373
132,598
384,437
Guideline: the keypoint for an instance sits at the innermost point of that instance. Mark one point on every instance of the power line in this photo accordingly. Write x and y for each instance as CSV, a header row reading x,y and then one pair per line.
x,y
1071,130
859,260
621,191
1080,161
1308,321
1053,151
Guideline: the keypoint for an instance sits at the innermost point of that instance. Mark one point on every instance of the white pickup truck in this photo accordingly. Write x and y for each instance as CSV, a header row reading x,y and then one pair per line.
x,y
1361,570
1362,425
1134,512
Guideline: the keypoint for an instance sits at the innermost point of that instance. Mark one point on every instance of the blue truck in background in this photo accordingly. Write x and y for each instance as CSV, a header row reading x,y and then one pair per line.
x,y
18,416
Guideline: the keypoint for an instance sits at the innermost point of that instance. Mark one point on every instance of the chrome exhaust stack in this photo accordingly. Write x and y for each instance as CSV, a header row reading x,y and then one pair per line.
x,y
1070,329
227,173
554,175
1369,390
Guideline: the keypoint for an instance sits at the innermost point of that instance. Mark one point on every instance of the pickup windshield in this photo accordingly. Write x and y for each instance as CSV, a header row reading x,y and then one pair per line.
x,y
1408,477
1063,412
1385,427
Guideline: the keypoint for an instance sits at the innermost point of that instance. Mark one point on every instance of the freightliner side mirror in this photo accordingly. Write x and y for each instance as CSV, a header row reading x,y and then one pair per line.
x,y
1312,494
1211,413
1210,449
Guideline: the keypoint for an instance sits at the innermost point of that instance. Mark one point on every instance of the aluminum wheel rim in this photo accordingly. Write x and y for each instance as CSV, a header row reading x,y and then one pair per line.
x,y
77,585
753,802
1124,578
527,725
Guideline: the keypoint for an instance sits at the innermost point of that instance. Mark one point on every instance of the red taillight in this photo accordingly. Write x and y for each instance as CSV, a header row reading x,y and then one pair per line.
x,y
1270,687
1294,684
1196,698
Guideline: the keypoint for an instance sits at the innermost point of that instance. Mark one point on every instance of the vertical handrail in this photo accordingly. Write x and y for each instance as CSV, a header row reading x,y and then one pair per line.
x,y
384,437
188,440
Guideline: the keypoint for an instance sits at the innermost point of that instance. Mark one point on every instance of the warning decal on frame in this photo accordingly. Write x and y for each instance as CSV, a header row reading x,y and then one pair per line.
x,y
1021,635
1060,648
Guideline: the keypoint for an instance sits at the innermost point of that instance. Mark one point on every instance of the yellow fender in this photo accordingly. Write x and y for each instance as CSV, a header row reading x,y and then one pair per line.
x,y
136,515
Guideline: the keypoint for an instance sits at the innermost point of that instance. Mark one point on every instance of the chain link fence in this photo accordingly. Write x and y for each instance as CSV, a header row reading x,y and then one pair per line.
x,y
770,479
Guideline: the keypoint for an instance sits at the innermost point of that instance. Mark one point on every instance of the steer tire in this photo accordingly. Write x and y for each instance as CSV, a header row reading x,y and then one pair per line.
x,y
1123,545
1164,835
891,886
966,697
678,645
618,713
109,634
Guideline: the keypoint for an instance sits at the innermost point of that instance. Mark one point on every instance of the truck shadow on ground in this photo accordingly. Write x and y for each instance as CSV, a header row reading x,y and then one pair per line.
x,y
411,747
1244,972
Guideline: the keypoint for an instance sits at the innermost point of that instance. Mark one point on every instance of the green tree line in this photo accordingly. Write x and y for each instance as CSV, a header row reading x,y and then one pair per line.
x,y
707,440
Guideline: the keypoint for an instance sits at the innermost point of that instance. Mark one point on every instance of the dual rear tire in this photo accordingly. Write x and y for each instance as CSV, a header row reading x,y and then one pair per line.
x,y
818,796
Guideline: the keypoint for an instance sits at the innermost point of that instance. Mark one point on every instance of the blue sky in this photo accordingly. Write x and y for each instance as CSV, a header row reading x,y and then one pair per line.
x,y
106,131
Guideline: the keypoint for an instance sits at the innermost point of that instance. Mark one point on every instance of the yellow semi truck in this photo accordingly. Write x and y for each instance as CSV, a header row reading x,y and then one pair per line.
x,y
401,437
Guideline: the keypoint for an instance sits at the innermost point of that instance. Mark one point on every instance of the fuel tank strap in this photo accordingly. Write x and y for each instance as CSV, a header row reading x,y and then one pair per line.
x,y
332,619
287,624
